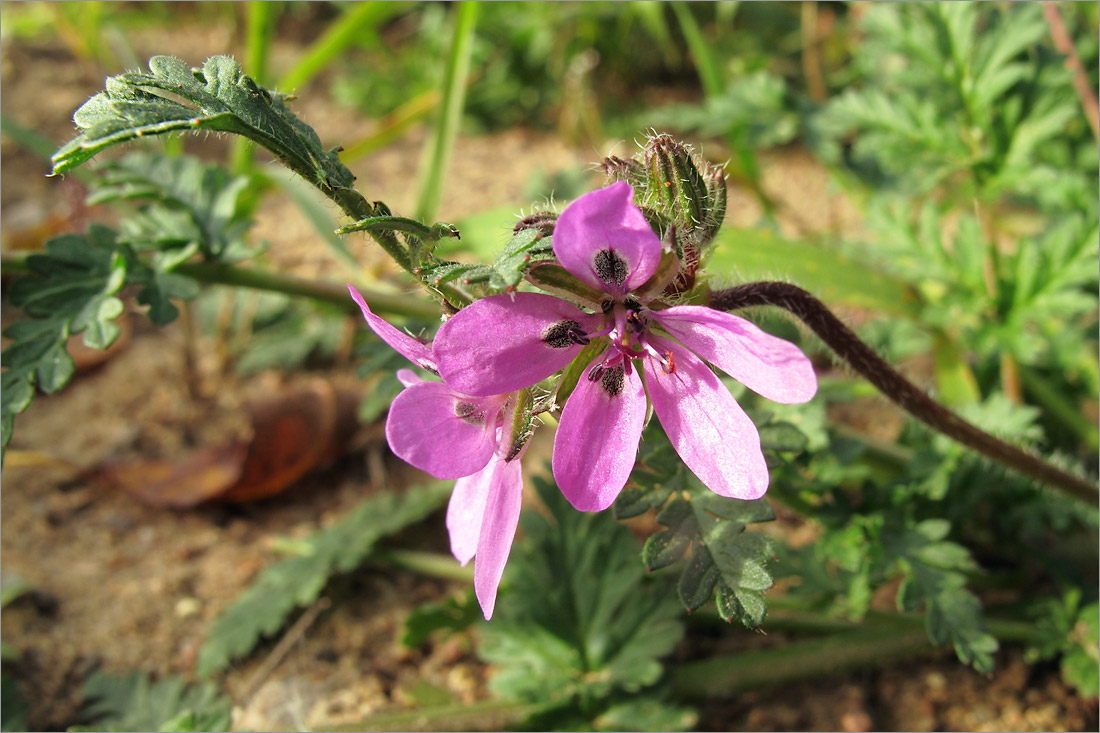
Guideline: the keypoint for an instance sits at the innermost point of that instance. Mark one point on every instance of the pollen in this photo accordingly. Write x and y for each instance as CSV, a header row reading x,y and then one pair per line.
x,y
612,381
564,334
609,267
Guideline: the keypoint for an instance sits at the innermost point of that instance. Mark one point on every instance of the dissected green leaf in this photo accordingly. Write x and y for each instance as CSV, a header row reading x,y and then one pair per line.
x,y
217,97
133,702
577,616
451,614
935,577
188,206
71,289
264,607
726,563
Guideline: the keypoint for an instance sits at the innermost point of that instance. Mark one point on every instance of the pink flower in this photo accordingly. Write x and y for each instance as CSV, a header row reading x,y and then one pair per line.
x,y
510,341
453,435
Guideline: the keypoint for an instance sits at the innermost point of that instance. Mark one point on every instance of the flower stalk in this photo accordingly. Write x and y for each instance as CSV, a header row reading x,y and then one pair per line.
x,y
893,385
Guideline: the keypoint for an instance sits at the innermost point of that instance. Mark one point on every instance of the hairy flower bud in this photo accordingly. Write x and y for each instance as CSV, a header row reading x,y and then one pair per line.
x,y
540,221
618,169
675,186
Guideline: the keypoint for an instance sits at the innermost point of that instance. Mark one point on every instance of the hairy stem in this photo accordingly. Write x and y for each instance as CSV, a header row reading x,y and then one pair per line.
x,y
258,279
892,384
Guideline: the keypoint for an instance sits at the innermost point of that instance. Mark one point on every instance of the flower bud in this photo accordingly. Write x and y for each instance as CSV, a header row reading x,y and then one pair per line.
x,y
630,171
519,422
675,186
541,221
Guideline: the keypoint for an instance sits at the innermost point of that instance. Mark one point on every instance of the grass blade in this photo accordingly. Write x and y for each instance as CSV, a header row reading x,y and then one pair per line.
x,y
438,154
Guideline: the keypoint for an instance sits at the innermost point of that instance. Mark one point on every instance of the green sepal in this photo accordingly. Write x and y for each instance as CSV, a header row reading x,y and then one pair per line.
x,y
556,280
520,421
667,270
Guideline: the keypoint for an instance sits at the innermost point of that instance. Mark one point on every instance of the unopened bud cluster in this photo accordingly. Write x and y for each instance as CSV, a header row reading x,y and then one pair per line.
x,y
682,195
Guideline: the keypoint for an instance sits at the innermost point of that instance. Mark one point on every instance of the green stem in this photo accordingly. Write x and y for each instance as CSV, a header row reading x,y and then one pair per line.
x,y
357,23
483,715
216,274
438,156
723,676
1058,406
432,564
879,639
256,279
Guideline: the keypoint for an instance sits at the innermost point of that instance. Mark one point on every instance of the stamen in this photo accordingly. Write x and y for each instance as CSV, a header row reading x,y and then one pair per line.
x,y
564,334
468,412
669,365
609,267
595,372
613,380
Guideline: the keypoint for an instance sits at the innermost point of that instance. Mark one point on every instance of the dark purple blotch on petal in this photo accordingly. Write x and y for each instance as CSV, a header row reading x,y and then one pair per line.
x,y
612,380
609,267
564,334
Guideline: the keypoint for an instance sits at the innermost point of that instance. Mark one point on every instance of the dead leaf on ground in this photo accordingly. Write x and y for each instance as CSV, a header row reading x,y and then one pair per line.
x,y
292,433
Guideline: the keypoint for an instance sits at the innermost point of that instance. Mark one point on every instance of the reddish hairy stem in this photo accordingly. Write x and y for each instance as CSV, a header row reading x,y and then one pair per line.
x,y
892,384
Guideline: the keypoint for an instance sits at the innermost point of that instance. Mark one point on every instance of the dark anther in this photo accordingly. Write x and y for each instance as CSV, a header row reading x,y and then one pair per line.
x,y
636,321
607,306
612,381
632,303
468,413
609,267
564,334
595,372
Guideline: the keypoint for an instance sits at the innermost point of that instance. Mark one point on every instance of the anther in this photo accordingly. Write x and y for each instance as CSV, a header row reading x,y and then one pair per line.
x,y
609,267
668,366
612,381
564,334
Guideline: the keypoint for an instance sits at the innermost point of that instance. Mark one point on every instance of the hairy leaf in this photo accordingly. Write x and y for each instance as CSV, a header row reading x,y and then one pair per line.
x,y
934,576
134,702
727,563
264,607
577,617
188,206
217,97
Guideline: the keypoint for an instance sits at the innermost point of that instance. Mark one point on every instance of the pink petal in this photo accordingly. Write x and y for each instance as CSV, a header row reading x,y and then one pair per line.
x,y
467,509
597,438
408,377
447,434
767,365
401,342
498,529
706,426
509,341
604,240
